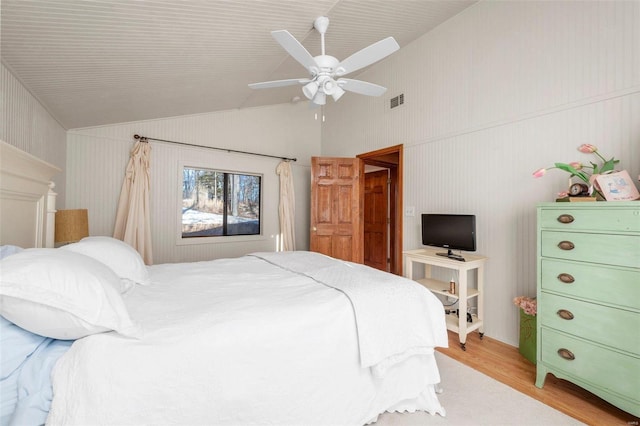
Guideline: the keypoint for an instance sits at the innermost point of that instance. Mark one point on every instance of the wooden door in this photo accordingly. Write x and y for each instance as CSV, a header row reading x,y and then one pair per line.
x,y
376,220
336,208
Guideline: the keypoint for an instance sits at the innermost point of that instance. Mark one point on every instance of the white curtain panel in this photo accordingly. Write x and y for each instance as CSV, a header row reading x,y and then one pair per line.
x,y
132,218
286,208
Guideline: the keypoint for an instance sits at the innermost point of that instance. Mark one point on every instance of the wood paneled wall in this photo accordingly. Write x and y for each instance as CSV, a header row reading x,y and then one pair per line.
x,y
97,158
26,124
491,95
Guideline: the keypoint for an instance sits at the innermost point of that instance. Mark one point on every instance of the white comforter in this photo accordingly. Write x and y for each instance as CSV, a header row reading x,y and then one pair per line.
x,y
239,342
390,320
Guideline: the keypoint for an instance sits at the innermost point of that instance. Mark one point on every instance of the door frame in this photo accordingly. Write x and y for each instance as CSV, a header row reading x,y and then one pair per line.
x,y
391,158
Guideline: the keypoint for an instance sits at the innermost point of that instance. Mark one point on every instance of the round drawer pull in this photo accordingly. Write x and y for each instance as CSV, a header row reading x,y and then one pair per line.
x,y
566,278
566,354
565,218
564,314
566,245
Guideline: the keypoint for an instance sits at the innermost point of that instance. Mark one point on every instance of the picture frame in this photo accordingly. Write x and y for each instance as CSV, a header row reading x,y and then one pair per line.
x,y
617,186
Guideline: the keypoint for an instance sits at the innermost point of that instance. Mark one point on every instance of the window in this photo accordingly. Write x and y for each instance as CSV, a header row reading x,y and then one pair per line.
x,y
218,203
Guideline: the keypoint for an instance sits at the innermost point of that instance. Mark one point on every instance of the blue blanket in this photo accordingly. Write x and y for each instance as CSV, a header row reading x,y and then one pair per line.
x,y
26,361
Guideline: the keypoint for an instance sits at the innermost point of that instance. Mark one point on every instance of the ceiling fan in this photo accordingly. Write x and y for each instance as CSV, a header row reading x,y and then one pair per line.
x,y
324,69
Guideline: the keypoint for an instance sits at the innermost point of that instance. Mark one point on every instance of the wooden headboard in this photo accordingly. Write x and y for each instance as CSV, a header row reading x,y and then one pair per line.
x,y
27,200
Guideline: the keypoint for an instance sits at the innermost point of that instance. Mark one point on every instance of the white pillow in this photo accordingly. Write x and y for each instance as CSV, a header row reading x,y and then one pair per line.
x,y
62,294
125,261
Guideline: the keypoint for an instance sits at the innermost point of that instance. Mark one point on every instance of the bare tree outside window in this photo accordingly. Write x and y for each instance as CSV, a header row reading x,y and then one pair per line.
x,y
218,203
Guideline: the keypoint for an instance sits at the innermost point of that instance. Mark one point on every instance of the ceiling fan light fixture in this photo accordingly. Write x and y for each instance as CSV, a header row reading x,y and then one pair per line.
x,y
329,86
320,98
323,69
310,89
337,93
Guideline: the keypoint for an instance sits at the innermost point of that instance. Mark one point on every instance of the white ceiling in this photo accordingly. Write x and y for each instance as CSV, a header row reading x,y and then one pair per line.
x,y
111,61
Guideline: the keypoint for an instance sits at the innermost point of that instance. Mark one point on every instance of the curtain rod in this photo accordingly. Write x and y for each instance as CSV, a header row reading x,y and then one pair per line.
x,y
146,139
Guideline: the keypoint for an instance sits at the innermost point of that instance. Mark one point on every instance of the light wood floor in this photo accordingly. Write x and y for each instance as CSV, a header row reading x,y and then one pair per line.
x,y
504,363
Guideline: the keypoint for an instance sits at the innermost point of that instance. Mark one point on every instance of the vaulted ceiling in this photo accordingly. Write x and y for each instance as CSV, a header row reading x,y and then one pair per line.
x,y
110,61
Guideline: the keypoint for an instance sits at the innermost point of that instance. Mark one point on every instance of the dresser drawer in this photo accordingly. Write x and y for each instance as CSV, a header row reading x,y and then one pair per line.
x,y
591,218
616,286
601,367
612,249
590,321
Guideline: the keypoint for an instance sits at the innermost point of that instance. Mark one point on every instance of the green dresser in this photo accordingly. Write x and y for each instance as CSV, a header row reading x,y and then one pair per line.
x,y
589,298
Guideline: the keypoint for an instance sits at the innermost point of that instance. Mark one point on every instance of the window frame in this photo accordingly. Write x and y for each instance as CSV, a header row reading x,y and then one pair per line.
x,y
180,240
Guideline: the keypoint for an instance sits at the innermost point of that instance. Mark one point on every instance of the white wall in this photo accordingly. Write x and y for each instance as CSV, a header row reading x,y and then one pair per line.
x,y
97,159
491,95
27,125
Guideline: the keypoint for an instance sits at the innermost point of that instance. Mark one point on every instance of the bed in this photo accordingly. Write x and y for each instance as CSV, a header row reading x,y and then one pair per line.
x,y
268,338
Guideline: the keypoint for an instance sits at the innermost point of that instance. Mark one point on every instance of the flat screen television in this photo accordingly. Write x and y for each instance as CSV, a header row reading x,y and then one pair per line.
x,y
449,231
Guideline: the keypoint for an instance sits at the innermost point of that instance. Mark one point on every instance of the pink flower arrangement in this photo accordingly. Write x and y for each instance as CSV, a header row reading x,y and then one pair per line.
x,y
577,169
528,304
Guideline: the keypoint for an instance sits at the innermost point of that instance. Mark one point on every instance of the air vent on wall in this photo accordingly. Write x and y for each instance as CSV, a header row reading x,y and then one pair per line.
x,y
397,101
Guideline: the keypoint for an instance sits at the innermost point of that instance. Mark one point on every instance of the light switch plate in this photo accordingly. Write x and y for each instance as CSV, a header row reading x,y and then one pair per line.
x,y
410,211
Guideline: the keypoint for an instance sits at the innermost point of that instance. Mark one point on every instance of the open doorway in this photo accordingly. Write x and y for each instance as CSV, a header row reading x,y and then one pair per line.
x,y
383,247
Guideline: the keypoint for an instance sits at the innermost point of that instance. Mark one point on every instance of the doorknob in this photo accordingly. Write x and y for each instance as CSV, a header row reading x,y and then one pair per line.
x,y
314,229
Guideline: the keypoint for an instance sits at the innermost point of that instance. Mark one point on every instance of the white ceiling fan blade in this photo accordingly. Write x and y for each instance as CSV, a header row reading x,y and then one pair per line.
x,y
294,48
279,83
367,56
361,87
